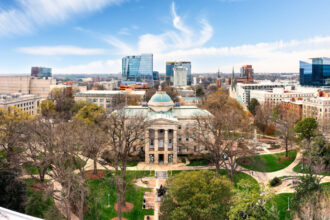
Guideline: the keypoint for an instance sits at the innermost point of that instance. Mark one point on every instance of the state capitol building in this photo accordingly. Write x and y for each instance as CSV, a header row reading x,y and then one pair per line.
x,y
165,136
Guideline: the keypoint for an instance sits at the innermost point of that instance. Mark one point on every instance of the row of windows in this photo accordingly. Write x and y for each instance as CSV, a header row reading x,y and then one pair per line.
x,y
99,100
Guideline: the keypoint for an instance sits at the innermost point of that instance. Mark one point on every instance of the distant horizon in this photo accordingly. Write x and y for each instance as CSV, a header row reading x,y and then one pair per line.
x,y
94,35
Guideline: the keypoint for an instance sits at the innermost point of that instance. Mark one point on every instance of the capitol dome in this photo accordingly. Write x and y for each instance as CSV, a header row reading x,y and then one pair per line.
x,y
160,102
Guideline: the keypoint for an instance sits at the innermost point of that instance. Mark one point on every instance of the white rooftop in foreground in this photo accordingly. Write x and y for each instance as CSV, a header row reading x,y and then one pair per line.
x,y
8,214
112,92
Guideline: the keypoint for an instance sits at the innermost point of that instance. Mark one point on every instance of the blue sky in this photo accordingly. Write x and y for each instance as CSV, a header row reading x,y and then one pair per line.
x,y
91,36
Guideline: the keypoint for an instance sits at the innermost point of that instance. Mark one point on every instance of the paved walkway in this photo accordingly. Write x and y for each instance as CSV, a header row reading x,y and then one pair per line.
x,y
261,177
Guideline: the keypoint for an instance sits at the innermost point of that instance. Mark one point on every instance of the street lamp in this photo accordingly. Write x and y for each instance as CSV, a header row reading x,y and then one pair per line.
x,y
288,205
108,200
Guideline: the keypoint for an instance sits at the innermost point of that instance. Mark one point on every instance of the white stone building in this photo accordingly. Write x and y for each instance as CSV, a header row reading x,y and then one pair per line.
x,y
27,103
166,136
277,95
241,91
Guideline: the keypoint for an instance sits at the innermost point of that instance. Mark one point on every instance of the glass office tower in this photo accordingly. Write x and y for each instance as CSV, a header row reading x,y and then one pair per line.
x,y
170,65
138,68
316,73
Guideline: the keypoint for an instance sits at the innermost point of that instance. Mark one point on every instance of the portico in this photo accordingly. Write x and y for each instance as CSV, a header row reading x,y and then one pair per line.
x,y
161,144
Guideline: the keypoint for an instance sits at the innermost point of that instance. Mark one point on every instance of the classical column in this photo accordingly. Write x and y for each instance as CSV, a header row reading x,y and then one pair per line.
x,y
147,143
175,146
166,147
156,146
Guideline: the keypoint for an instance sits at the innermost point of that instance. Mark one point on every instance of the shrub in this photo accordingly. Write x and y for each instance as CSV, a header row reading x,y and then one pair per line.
x,y
275,181
270,130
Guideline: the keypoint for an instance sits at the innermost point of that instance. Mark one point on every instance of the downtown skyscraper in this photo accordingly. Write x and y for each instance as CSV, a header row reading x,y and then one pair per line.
x,y
138,68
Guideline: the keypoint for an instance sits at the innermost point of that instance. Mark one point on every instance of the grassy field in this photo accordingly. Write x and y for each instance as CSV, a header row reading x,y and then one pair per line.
x,y
239,176
98,199
281,201
198,162
267,162
298,168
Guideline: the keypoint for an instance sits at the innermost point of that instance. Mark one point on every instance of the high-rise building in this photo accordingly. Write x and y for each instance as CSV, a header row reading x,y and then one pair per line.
x,y
170,65
138,68
316,73
155,75
246,75
247,72
41,72
180,76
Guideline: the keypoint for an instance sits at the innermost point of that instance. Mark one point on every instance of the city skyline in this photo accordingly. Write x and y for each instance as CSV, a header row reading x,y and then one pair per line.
x,y
85,36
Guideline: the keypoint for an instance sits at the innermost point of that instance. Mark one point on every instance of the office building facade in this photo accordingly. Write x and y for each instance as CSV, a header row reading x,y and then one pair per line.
x,y
41,72
170,65
180,76
315,73
318,108
138,68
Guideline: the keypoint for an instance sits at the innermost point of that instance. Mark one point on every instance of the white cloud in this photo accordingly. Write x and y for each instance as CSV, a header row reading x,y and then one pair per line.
x,y
60,50
108,66
185,43
31,14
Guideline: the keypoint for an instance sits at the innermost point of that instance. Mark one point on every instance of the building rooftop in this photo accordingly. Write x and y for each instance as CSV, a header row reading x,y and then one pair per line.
x,y
15,97
12,215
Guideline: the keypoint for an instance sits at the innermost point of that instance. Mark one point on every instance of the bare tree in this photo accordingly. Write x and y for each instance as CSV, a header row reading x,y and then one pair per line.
x,y
40,133
221,132
123,132
285,123
66,153
264,117
94,142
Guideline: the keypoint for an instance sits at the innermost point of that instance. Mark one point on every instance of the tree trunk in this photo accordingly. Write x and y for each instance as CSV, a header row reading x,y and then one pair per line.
x,y
232,169
217,167
95,165
41,174
119,204
68,211
82,201
286,147
123,187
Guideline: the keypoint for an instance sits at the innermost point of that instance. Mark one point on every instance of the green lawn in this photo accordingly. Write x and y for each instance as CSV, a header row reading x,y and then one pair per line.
x,y
267,162
98,199
281,201
239,176
199,162
298,168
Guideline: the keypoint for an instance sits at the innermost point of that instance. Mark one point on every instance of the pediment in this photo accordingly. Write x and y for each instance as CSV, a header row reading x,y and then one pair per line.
x,y
163,122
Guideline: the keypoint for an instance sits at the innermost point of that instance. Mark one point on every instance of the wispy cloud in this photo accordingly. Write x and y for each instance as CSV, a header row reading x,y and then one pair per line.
x,y
60,50
98,66
31,14
184,42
